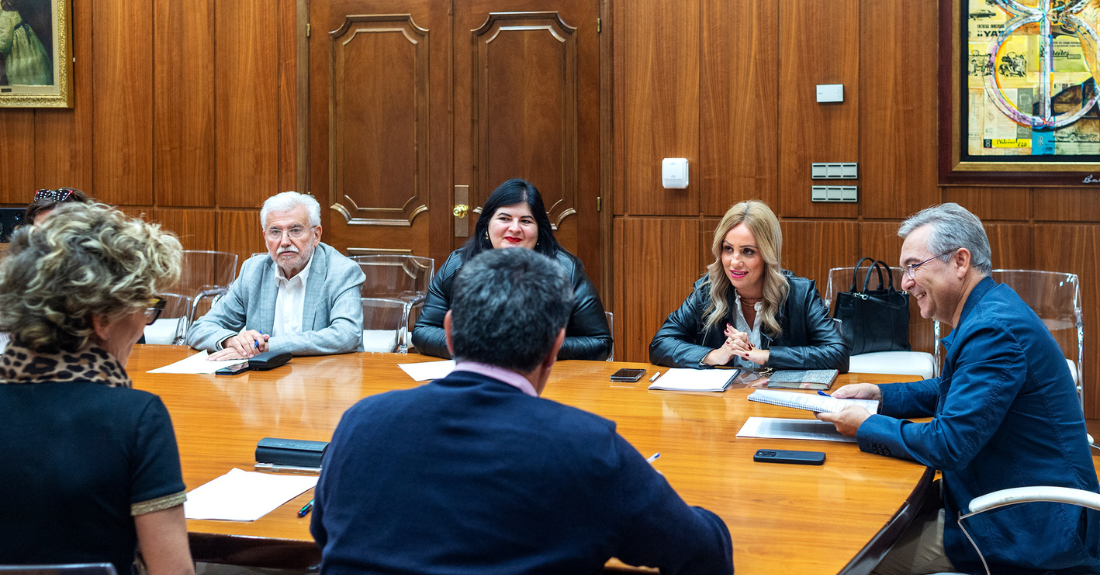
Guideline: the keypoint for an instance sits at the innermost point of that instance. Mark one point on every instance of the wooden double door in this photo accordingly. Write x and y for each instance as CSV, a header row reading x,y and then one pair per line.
x,y
421,107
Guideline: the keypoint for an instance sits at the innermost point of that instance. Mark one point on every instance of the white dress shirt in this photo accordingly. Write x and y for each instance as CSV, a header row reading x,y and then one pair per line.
x,y
743,325
290,302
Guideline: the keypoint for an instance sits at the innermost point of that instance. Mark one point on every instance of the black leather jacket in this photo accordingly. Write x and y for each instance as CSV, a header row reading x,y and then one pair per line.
x,y
810,339
586,337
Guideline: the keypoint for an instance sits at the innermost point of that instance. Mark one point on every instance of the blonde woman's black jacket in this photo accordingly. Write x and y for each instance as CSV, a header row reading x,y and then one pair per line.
x,y
810,340
586,337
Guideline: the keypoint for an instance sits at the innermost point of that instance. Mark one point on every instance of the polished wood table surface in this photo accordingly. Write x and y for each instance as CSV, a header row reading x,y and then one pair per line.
x,y
782,518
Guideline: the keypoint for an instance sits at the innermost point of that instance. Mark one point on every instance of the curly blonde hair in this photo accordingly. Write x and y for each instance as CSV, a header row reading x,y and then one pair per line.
x,y
87,260
763,224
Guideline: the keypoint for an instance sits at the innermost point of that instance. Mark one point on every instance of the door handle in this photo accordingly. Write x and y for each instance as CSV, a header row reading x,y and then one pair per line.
x,y
461,210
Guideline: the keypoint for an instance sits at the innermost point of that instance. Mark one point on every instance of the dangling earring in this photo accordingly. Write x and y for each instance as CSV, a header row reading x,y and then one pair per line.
x,y
486,234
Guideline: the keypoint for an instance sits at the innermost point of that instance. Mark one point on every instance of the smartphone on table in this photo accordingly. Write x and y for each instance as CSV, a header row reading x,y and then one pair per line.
x,y
627,374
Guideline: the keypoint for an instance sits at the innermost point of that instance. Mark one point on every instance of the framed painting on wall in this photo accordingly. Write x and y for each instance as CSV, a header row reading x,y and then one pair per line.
x,y
36,65
1018,92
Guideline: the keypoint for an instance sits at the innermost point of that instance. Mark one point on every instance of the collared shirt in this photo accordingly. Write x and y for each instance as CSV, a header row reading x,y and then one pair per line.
x,y
506,375
290,302
742,325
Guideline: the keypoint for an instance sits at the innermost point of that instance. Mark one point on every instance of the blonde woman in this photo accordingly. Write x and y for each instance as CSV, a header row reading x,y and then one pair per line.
x,y
91,463
748,311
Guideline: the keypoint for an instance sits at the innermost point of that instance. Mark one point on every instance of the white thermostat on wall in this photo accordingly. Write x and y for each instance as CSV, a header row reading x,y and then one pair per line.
x,y
674,173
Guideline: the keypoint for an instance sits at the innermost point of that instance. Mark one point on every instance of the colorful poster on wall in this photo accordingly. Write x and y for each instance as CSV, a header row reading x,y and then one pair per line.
x,y
1030,92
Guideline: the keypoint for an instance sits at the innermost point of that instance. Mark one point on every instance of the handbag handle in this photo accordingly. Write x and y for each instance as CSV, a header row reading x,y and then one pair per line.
x,y
855,274
878,265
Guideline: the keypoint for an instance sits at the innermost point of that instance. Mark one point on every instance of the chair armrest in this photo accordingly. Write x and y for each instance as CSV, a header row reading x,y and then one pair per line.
x,y
1029,494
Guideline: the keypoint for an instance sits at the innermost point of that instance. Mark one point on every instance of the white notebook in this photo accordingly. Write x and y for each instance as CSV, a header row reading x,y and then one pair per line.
x,y
683,379
810,401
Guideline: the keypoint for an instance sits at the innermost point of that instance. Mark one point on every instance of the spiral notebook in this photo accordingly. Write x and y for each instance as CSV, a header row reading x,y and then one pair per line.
x,y
802,379
810,402
683,379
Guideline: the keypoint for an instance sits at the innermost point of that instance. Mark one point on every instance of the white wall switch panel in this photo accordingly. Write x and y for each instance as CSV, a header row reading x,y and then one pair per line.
x,y
830,92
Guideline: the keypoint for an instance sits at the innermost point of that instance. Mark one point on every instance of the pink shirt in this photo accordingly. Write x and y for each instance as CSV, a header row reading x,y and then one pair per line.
x,y
506,375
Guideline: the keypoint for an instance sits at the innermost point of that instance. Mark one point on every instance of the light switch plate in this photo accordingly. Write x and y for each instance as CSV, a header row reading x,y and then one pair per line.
x,y
830,93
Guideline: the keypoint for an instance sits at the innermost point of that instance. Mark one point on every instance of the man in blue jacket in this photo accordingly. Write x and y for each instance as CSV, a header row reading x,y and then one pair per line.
x,y
475,474
1005,414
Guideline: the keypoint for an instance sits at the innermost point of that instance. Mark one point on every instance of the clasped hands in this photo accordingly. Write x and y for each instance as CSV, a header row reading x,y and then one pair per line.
x,y
737,344
241,346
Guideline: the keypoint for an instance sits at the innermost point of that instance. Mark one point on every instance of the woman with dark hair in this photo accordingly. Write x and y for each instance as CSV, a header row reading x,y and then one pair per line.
x,y
515,217
45,200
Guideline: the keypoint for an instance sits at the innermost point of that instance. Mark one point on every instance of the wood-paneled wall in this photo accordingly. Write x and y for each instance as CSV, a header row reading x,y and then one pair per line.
x,y
185,111
731,87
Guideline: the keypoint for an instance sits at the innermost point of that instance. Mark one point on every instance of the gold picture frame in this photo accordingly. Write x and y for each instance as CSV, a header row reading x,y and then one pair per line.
x,y
32,31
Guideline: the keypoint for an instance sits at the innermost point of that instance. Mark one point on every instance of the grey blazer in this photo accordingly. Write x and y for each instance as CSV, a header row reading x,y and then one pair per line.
x,y
332,307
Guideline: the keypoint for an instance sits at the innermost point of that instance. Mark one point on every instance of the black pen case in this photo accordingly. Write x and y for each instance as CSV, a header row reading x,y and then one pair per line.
x,y
292,452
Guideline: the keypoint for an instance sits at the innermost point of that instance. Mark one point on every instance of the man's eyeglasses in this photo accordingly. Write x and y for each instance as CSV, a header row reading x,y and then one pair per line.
x,y
911,269
154,309
295,233
58,195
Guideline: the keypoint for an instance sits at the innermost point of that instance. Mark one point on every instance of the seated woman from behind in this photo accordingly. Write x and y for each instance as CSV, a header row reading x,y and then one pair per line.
x,y
91,463
770,317
514,217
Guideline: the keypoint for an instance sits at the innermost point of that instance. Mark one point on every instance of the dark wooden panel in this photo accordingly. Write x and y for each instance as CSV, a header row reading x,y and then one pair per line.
x,y
525,105
706,239
1066,204
1079,253
898,107
819,44
238,232
184,109
656,103
379,125
738,104
123,103
288,95
991,203
810,248
63,152
17,156
246,102
1010,246
643,299
194,228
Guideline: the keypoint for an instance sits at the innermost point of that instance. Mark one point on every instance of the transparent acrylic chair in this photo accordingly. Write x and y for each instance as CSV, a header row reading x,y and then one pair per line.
x,y
397,277
204,278
384,324
611,326
1056,298
171,327
919,363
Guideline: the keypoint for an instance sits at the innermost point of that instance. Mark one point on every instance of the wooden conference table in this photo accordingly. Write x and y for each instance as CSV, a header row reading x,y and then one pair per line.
x,y
835,518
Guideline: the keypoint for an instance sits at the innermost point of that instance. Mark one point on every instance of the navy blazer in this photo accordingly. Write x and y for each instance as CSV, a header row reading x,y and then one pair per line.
x,y
1006,414
469,475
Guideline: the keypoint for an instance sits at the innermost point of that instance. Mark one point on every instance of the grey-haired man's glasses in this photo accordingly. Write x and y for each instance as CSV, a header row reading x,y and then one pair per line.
x,y
911,269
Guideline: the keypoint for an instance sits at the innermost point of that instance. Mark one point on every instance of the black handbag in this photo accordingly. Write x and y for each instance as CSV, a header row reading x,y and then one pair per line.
x,y
873,320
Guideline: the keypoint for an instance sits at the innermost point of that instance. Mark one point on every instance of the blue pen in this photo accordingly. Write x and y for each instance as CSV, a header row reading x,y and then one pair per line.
x,y
304,510
257,343
819,392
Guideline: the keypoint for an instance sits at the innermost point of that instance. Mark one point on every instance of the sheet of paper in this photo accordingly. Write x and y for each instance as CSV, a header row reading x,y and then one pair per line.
x,y
774,428
809,401
685,379
428,370
195,364
244,495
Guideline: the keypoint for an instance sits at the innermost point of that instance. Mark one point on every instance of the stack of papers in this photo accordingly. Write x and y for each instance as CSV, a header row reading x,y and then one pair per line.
x,y
681,379
244,495
196,364
810,402
428,369
774,428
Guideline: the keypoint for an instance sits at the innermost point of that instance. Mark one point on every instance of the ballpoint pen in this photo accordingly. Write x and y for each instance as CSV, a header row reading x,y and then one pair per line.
x,y
305,509
819,392
654,378
653,457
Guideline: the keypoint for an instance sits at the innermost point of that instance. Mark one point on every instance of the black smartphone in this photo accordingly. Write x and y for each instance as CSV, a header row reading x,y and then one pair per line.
x,y
233,369
627,374
796,457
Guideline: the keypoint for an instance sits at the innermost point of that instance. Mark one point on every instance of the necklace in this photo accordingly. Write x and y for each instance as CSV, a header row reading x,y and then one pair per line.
x,y
745,300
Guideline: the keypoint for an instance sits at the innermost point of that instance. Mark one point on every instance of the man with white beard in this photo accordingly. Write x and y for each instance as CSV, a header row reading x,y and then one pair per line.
x,y
303,297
